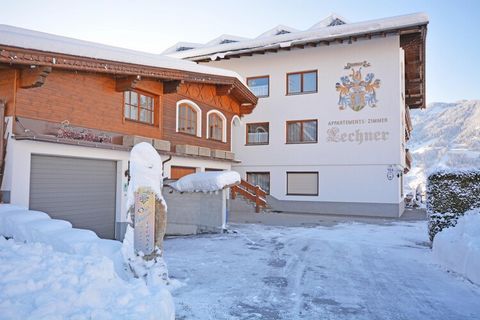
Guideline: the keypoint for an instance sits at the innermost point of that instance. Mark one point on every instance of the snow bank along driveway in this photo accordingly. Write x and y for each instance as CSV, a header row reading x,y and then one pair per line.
x,y
351,271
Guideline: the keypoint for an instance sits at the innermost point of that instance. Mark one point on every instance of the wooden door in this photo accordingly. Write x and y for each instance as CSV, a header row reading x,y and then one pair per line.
x,y
176,172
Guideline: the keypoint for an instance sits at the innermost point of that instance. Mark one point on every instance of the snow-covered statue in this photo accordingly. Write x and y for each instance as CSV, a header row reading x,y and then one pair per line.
x,y
147,210
147,214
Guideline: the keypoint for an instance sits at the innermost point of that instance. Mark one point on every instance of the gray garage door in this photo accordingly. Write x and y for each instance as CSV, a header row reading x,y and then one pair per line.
x,y
81,191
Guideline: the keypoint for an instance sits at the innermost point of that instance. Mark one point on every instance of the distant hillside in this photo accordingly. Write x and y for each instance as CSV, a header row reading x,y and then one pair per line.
x,y
445,135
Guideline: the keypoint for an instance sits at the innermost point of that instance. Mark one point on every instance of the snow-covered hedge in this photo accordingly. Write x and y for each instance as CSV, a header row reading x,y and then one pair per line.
x,y
450,193
458,249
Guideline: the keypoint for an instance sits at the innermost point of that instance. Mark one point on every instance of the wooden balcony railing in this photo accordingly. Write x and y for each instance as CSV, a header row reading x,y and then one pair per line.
x,y
252,193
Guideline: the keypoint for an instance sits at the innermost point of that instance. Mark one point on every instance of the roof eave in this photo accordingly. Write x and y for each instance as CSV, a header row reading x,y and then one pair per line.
x,y
28,57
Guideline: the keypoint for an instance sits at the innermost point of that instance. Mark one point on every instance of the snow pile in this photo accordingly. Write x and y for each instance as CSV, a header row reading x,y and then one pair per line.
x,y
38,282
458,248
145,171
445,135
35,226
206,181
154,272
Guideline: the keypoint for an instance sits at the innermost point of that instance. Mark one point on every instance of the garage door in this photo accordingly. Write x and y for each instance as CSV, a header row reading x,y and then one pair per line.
x,y
81,191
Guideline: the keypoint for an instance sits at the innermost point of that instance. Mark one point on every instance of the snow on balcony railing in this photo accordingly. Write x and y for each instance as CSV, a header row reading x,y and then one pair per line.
x,y
258,138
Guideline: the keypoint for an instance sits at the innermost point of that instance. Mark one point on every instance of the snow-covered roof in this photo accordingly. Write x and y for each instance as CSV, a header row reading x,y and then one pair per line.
x,y
35,40
330,28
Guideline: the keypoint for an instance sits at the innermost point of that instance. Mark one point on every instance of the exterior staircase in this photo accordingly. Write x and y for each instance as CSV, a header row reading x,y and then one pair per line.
x,y
253,194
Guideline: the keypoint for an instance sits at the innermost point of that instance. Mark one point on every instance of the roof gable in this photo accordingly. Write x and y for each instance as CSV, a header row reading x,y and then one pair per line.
x,y
330,21
182,46
224,39
276,31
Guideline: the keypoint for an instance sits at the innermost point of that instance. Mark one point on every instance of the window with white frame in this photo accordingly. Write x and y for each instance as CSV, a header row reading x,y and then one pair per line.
x,y
189,118
216,126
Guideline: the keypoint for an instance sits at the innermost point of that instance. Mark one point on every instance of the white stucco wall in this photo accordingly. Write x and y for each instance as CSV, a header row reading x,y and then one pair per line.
x,y
349,171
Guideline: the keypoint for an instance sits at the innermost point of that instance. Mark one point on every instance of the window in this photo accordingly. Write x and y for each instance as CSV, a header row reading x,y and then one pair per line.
x,y
257,133
187,119
260,86
139,107
216,126
302,131
261,179
302,82
302,183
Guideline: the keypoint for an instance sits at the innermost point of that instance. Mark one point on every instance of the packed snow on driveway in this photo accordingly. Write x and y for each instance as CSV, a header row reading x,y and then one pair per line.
x,y
350,271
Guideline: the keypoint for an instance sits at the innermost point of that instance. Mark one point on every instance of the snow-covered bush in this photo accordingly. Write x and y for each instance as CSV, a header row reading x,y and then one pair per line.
x,y
458,249
450,193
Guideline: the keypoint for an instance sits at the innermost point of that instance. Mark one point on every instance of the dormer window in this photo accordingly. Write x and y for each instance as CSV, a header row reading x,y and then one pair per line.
x,y
184,49
282,32
336,22
227,41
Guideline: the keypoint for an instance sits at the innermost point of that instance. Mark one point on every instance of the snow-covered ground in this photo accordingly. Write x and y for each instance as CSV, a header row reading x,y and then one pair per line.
x,y
38,282
445,135
350,271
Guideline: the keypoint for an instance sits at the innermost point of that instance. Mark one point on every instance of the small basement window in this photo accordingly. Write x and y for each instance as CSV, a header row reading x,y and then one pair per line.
x,y
260,86
302,183
139,107
261,179
302,82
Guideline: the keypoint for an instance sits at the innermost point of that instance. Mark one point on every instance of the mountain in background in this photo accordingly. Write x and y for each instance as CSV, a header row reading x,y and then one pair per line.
x,y
445,135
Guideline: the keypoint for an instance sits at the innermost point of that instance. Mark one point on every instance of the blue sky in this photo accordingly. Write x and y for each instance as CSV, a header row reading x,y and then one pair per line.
x,y
453,40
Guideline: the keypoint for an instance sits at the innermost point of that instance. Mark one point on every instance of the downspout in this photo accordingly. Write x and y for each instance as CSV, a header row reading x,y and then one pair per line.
x,y
163,165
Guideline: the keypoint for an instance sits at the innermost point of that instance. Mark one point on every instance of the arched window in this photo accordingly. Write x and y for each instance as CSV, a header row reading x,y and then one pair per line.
x,y
189,117
216,126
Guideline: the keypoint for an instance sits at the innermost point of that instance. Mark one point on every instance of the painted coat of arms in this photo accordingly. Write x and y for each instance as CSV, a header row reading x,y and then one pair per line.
x,y
356,91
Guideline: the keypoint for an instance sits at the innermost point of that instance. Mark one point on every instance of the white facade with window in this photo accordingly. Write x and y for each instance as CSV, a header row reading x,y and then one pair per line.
x,y
329,127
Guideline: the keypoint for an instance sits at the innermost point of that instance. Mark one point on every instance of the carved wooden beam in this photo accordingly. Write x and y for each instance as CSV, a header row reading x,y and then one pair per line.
x,y
126,83
171,86
34,77
223,89
246,109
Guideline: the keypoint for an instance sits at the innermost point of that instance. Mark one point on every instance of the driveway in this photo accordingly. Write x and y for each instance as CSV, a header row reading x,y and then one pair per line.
x,y
346,271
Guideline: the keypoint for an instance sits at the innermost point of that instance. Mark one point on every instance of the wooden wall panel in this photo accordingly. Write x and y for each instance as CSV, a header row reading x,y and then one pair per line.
x,y
90,100
7,89
87,100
